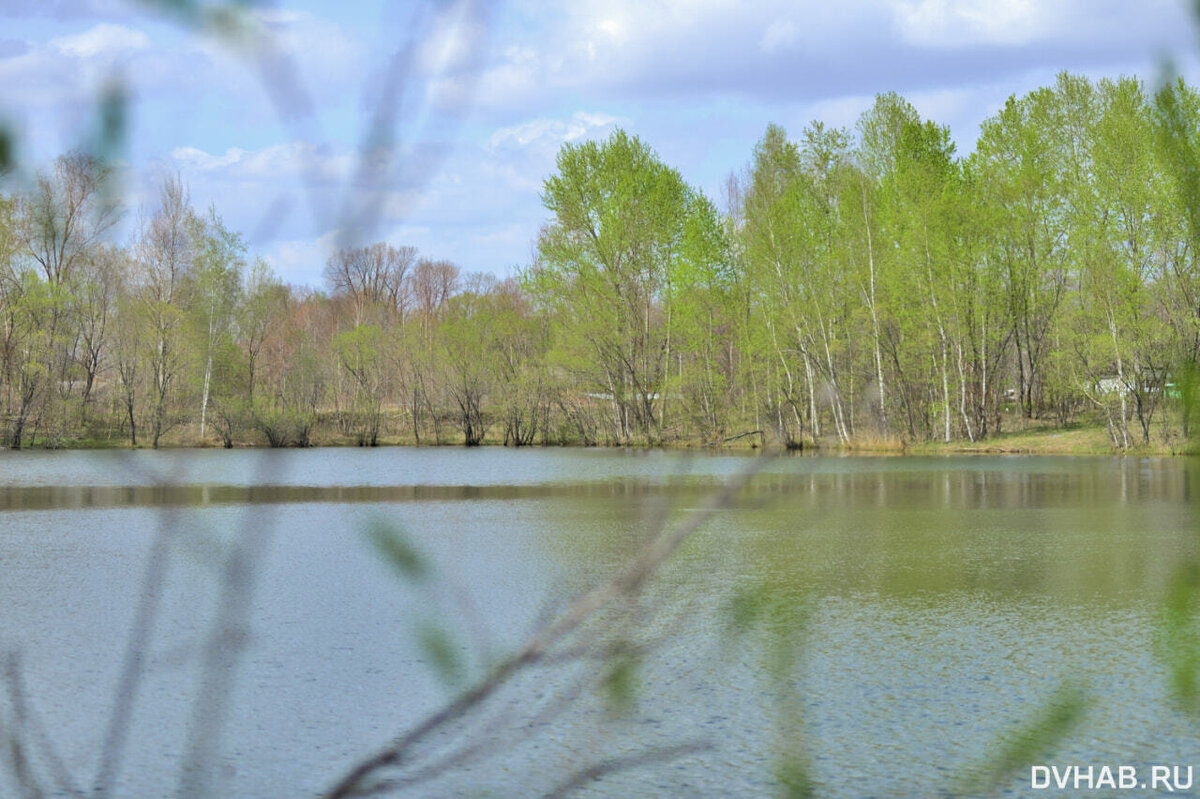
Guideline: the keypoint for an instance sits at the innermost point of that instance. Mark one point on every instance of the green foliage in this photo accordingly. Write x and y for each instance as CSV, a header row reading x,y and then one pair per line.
x,y
443,653
1176,106
1178,642
282,425
769,618
393,544
1032,742
8,149
359,349
619,683
795,779
112,132
603,271
864,288
1175,109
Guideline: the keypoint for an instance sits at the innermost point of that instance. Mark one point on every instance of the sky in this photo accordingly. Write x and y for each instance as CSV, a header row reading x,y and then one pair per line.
x,y
313,125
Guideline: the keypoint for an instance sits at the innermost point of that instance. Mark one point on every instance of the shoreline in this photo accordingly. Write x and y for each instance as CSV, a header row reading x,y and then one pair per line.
x,y
1079,441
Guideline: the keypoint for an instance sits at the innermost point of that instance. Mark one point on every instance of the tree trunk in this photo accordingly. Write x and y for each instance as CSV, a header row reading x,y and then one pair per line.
x,y
204,396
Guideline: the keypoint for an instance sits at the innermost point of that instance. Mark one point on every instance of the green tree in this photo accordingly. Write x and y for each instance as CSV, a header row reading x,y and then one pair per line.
x,y
66,214
521,381
1176,106
467,353
264,304
775,248
361,351
1019,170
923,190
703,312
215,280
602,269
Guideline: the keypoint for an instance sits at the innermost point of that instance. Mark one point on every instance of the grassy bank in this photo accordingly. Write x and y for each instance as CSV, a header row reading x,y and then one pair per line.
x,y
1081,440
1046,439
1021,436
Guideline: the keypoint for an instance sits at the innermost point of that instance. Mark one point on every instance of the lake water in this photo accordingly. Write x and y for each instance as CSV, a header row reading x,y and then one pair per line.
x,y
913,613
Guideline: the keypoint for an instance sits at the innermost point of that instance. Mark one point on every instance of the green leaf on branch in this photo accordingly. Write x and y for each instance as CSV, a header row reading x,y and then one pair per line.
x,y
394,545
8,149
442,653
620,681
1032,742
1179,634
795,778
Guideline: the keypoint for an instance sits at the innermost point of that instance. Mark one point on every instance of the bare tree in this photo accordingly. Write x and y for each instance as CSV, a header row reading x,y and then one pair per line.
x,y
433,283
65,216
128,354
265,300
372,276
96,305
164,255
67,213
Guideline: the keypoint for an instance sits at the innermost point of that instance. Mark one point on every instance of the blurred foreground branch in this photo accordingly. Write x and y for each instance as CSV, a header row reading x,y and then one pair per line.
x,y
628,584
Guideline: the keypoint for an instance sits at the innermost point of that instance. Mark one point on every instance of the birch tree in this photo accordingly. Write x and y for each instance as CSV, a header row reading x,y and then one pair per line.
x,y
602,265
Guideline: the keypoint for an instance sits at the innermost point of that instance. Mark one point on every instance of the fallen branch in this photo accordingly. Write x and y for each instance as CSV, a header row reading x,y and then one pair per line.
x,y
762,437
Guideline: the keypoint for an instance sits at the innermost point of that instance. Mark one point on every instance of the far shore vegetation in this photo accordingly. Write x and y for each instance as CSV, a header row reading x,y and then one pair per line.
x,y
852,290
1029,438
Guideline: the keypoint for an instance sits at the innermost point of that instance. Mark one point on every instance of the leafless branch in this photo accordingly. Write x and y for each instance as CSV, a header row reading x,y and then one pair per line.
x,y
26,720
27,781
625,763
222,653
481,744
627,584
134,667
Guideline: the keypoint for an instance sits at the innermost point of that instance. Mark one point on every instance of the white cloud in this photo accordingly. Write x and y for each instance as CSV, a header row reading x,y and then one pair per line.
x,y
450,94
103,40
779,35
453,42
407,233
200,160
674,49
325,164
963,23
509,236
957,24
278,192
838,112
397,206
67,9
509,85
943,105
681,51
506,172
538,134
302,261
304,57
517,76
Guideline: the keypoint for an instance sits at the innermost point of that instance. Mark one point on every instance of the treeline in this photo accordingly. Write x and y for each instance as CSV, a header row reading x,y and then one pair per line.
x,y
874,285
857,286
178,334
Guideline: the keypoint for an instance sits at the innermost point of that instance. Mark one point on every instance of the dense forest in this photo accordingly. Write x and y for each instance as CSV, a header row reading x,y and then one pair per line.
x,y
853,287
